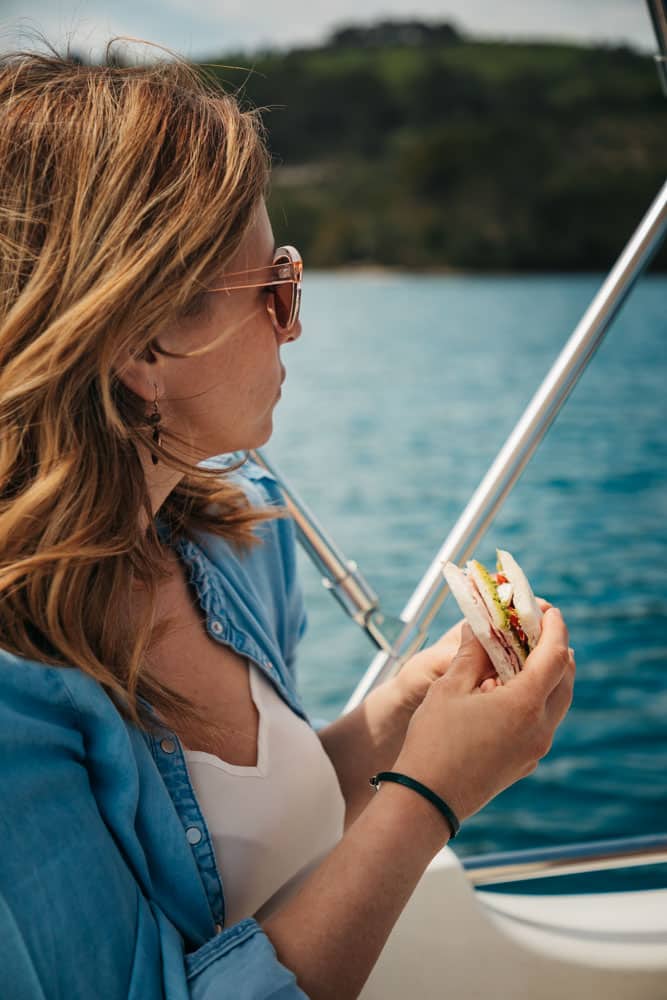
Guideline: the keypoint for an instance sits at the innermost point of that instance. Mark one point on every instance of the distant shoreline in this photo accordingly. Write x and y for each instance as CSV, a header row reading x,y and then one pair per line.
x,y
380,270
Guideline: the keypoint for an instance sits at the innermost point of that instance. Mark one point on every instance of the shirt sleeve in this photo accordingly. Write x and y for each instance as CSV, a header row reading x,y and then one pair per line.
x,y
70,908
84,909
240,964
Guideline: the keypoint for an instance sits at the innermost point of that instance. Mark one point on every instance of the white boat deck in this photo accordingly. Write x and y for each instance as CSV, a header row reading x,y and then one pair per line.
x,y
453,941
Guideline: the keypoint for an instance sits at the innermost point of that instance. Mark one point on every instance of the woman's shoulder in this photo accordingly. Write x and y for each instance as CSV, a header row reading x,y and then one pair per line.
x,y
47,698
41,680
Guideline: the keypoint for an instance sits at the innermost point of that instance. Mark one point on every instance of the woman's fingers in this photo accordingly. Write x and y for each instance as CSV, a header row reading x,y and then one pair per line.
x,y
547,663
560,699
548,674
544,605
471,666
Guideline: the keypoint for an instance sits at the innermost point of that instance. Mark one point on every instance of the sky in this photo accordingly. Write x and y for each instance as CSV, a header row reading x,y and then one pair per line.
x,y
200,28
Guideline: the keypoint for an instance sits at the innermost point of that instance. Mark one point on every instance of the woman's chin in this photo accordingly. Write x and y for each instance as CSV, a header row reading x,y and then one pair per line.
x,y
250,440
266,436
261,437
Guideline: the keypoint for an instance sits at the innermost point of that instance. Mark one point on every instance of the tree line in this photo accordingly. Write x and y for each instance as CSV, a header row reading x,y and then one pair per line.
x,y
407,144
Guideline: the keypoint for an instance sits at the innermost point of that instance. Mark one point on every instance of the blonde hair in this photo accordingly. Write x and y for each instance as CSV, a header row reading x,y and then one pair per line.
x,y
121,190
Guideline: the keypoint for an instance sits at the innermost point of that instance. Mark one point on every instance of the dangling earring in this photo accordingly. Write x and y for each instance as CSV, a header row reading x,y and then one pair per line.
x,y
154,421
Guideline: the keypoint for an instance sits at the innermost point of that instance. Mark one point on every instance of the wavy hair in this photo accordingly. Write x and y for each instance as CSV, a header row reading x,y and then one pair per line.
x,y
103,174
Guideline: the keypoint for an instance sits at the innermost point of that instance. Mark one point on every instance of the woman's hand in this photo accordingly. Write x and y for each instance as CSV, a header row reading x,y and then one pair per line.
x,y
489,683
418,673
467,745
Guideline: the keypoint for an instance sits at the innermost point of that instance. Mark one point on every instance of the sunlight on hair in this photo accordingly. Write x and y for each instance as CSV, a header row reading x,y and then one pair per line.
x,y
103,242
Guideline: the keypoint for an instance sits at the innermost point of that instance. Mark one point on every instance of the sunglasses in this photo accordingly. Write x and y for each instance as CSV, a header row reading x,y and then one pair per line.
x,y
283,280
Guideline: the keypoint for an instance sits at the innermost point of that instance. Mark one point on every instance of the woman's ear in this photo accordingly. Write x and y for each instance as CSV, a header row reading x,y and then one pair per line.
x,y
139,374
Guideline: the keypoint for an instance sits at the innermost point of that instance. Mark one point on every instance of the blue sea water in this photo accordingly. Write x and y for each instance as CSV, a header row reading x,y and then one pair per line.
x,y
399,394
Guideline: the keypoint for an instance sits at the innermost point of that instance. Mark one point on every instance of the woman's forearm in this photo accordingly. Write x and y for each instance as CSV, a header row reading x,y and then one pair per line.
x,y
366,740
331,932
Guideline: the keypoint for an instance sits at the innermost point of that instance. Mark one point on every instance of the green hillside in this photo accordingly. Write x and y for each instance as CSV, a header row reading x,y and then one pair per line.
x,y
408,145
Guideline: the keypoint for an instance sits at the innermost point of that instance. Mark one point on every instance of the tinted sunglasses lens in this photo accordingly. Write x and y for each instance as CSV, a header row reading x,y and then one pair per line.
x,y
282,298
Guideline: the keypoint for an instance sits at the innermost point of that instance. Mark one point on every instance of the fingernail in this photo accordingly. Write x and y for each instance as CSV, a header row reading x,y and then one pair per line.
x,y
466,633
552,611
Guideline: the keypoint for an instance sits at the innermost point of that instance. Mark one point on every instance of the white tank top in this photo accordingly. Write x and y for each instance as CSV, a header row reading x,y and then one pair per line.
x,y
273,823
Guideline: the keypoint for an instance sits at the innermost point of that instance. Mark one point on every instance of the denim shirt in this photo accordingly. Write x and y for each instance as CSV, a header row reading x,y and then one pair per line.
x,y
108,882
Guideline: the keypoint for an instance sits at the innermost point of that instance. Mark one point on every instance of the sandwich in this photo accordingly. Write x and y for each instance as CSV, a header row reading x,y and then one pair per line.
x,y
500,608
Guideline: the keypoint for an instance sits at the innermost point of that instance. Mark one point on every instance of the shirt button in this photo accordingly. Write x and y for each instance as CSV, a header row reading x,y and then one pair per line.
x,y
168,745
218,928
193,834
216,626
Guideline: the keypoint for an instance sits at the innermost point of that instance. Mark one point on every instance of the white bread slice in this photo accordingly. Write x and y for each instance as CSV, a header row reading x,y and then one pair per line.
x,y
477,616
488,592
529,610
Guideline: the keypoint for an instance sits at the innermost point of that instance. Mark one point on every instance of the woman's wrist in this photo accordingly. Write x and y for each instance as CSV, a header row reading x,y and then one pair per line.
x,y
445,810
416,817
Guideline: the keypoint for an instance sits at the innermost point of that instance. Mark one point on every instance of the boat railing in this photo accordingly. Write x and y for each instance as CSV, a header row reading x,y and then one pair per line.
x,y
566,859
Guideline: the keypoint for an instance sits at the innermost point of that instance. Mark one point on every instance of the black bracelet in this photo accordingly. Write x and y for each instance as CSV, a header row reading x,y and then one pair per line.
x,y
416,786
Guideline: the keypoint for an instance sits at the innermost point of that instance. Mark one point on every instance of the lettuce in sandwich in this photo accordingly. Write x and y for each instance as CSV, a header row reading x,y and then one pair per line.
x,y
500,608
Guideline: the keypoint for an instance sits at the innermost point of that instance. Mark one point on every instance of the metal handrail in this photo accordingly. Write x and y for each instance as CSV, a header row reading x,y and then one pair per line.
x,y
566,859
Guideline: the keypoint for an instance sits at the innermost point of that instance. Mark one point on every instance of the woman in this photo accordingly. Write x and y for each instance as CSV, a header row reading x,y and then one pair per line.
x,y
172,824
